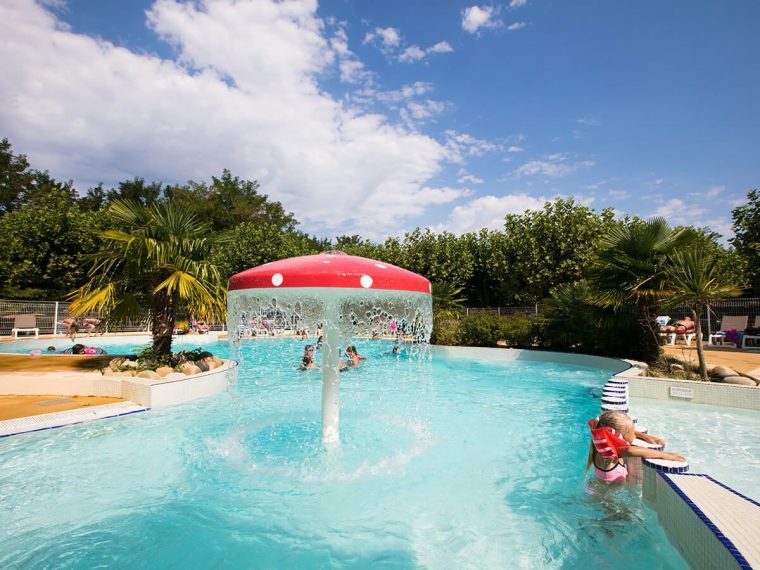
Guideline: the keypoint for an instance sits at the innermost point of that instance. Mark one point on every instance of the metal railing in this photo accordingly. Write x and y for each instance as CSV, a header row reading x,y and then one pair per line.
x,y
534,310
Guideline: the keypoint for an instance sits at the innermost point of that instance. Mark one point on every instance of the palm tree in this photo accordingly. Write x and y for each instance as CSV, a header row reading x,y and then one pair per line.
x,y
156,260
631,270
696,281
446,297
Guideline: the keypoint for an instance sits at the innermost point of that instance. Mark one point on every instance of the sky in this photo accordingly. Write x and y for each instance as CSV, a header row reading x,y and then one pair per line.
x,y
375,117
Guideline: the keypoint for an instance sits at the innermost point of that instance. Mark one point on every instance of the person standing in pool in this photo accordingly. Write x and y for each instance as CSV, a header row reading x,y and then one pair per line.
x,y
611,436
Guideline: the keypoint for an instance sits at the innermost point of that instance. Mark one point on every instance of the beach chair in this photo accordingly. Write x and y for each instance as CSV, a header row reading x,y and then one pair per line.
x,y
737,323
753,337
670,337
25,323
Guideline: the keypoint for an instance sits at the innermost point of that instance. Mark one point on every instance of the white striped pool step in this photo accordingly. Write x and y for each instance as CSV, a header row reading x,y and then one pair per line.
x,y
67,417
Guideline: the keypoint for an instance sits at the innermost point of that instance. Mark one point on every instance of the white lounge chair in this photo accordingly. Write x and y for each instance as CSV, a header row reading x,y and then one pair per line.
x,y
752,337
738,323
25,323
670,337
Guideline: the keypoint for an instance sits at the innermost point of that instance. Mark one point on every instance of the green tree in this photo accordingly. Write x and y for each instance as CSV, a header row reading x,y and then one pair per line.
x,y
157,258
15,177
439,257
251,244
43,246
548,247
136,190
631,269
695,279
746,220
446,297
229,201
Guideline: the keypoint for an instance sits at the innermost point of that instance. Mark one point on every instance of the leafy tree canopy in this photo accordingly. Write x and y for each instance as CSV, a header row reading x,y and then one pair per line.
x,y
747,237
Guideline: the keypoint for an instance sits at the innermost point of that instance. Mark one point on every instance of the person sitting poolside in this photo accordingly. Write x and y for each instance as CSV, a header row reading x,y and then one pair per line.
x,y
51,348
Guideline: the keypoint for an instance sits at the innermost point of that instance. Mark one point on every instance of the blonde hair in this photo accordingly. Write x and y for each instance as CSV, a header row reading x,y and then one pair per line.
x,y
619,421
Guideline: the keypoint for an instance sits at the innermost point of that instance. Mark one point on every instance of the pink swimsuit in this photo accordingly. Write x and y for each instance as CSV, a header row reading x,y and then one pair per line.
x,y
618,473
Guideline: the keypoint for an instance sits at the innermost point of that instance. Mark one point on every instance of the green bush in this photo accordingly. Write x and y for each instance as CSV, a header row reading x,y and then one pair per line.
x,y
446,330
486,329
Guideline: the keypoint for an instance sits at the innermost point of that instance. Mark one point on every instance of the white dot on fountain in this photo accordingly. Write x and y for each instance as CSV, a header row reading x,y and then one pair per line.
x,y
277,279
366,281
380,265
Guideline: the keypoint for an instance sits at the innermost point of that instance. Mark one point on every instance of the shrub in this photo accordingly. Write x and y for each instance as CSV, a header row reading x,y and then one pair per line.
x,y
446,330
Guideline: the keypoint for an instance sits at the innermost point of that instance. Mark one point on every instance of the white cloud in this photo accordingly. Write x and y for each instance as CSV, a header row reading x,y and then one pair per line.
x,y
415,53
555,165
460,145
440,47
411,54
243,95
515,149
425,109
619,194
469,178
589,121
678,211
516,26
517,3
489,212
387,37
714,191
405,92
476,17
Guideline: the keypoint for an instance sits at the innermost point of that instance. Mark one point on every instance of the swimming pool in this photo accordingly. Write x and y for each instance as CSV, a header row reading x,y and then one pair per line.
x,y
444,462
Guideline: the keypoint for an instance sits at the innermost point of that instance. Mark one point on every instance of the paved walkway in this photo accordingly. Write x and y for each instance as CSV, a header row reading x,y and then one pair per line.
x,y
12,407
739,360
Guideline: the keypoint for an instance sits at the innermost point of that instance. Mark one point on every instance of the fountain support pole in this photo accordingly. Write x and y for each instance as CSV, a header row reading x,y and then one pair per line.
x,y
330,381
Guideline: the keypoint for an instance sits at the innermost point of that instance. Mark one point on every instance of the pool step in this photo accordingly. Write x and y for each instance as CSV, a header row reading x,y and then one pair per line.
x,y
67,417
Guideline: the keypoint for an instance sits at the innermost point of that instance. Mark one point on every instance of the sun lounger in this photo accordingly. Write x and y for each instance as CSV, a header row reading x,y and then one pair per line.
x,y
25,323
737,323
753,337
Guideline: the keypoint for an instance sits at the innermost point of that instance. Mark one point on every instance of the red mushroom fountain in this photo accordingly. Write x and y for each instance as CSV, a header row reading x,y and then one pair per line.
x,y
346,294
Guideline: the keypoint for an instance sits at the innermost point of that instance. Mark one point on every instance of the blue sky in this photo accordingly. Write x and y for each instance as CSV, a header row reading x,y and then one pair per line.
x,y
377,117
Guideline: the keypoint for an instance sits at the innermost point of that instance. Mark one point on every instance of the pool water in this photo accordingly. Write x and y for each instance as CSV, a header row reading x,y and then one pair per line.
x,y
445,462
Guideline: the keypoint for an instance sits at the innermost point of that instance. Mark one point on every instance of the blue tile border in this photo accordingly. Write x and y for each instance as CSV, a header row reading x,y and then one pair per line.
x,y
730,546
74,423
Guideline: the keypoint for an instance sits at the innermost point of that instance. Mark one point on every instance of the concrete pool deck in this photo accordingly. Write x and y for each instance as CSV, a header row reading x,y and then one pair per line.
x,y
740,360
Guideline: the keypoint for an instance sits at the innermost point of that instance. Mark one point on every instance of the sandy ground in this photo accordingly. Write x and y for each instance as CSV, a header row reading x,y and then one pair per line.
x,y
22,406
739,360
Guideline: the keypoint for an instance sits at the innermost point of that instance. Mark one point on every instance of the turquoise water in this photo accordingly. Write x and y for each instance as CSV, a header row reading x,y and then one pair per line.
x,y
444,463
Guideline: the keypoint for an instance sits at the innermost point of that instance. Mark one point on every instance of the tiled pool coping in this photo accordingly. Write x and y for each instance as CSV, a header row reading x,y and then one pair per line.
x,y
54,420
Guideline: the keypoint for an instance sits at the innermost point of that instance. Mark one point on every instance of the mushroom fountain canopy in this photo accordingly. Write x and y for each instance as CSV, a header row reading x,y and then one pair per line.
x,y
356,294
344,295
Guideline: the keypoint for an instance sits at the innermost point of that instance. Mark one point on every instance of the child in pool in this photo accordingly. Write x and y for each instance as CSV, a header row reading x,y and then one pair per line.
x,y
307,360
611,436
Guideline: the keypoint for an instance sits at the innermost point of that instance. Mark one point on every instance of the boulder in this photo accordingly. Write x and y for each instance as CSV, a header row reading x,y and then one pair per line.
x,y
189,369
116,363
129,363
724,371
739,381
149,374
164,371
677,367
218,361
129,373
203,365
210,361
108,371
